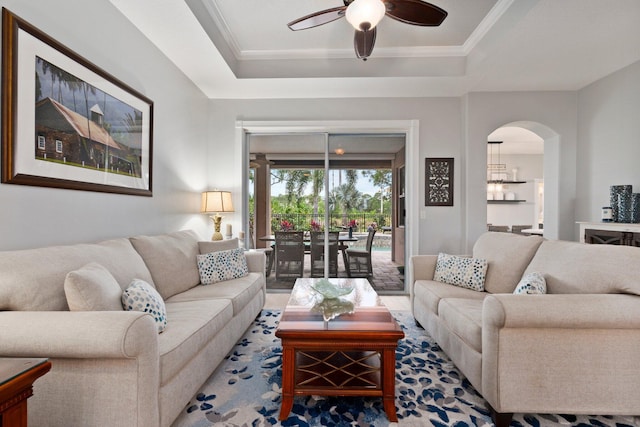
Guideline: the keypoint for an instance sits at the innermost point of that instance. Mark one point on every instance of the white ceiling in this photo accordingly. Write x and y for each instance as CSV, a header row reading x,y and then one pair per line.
x,y
516,140
243,48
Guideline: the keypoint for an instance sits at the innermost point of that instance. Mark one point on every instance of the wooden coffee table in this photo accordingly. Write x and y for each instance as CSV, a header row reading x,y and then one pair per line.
x,y
16,386
350,355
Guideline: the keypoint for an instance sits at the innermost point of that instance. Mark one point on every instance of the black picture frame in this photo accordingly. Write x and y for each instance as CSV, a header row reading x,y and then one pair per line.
x,y
438,181
87,130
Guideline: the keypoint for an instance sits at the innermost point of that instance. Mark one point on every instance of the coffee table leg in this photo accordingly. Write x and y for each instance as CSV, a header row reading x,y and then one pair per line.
x,y
288,373
389,383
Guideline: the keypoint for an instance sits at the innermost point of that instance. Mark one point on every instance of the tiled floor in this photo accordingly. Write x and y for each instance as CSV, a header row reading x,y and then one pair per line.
x,y
386,277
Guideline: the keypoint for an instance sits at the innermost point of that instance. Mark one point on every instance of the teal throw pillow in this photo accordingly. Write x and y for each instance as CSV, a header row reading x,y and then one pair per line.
x,y
141,296
532,283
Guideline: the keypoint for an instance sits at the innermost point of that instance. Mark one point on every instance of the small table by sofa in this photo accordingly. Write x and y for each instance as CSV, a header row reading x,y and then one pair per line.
x,y
17,376
350,355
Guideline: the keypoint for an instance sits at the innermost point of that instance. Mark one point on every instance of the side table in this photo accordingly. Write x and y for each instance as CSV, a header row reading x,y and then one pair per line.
x,y
17,376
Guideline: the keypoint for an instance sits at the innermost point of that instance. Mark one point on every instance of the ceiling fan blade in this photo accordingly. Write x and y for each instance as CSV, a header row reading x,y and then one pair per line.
x,y
363,42
415,12
319,18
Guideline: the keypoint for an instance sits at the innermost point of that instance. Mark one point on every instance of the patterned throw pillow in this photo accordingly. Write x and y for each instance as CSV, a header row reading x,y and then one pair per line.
x,y
222,265
532,283
141,296
461,271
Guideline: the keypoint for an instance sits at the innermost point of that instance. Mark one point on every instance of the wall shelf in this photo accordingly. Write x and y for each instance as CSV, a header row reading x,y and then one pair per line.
x,y
500,181
505,201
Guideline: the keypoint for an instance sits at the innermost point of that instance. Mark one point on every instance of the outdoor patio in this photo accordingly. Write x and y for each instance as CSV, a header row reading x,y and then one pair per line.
x,y
386,277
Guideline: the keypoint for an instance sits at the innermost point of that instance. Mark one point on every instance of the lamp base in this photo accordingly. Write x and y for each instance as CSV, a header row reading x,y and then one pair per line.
x,y
217,220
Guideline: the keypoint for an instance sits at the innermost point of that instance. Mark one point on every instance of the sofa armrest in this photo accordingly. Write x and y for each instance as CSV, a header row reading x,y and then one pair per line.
x,y
539,349
80,334
256,261
110,357
584,311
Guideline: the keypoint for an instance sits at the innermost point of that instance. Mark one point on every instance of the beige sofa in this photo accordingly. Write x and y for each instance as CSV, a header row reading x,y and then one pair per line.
x,y
112,368
573,350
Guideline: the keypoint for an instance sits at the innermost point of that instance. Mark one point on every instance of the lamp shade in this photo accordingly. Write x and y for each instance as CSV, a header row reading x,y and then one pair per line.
x,y
216,201
364,15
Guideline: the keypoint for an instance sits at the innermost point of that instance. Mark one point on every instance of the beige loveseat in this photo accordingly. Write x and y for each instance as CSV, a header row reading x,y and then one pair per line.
x,y
573,350
113,368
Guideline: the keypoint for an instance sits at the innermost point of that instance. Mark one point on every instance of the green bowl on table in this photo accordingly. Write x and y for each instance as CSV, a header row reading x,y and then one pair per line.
x,y
330,290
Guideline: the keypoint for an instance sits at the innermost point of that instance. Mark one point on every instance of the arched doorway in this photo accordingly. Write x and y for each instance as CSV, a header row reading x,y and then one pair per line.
x,y
528,165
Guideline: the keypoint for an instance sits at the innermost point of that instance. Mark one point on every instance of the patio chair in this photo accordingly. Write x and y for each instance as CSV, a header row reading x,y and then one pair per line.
x,y
317,253
359,261
289,254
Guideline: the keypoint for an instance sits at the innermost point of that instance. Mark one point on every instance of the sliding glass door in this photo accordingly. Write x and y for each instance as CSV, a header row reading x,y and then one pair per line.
x,y
328,186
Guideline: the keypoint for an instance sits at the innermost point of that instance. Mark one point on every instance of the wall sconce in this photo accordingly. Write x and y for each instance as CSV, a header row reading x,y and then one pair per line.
x,y
216,202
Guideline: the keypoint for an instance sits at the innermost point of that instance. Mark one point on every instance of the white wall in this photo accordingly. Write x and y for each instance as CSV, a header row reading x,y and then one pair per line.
x,y
37,216
608,140
553,112
596,141
449,127
439,135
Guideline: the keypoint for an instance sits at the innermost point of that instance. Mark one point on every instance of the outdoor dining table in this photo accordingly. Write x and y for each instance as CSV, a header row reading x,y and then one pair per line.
x,y
342,242
342,239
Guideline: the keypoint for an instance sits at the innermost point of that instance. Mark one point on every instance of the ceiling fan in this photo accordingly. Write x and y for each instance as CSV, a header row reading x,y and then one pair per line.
x,y
364,15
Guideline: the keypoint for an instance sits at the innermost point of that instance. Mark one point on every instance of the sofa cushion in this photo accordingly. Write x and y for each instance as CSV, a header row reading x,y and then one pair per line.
x,y
217,245
193,325
33,279
140,296
463,317
571,267
92,288
171,259
531,284
430,292
219,266
508,255
461,271
239,291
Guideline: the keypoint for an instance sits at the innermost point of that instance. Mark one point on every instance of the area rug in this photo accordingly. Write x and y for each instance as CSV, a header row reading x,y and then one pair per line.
x,y
430,391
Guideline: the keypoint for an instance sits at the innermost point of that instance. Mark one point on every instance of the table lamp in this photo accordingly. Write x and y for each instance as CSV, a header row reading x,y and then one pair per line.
x,y
216,202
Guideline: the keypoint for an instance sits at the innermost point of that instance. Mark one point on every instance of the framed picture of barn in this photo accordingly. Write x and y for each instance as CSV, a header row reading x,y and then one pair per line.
x,y
67,123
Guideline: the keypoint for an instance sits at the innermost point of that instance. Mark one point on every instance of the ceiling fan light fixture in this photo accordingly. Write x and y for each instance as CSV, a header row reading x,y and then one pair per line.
x,y
364,15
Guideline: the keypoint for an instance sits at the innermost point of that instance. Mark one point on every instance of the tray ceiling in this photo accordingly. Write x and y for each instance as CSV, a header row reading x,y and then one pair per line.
x,y
243,49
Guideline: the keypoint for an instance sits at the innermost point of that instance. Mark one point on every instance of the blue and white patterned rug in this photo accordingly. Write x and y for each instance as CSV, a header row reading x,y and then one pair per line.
x,y
430,391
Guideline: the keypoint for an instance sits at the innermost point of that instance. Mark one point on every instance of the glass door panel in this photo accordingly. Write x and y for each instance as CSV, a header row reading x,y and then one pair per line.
x,y
288,196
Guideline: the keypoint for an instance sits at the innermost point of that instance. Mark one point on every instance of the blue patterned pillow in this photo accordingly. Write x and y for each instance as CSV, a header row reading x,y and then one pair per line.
x,y
141,296
222,265
461,271
532,283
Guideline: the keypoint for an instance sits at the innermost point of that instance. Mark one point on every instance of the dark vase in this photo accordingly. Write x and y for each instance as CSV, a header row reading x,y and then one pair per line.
x,y
614,192
350,232
635,208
